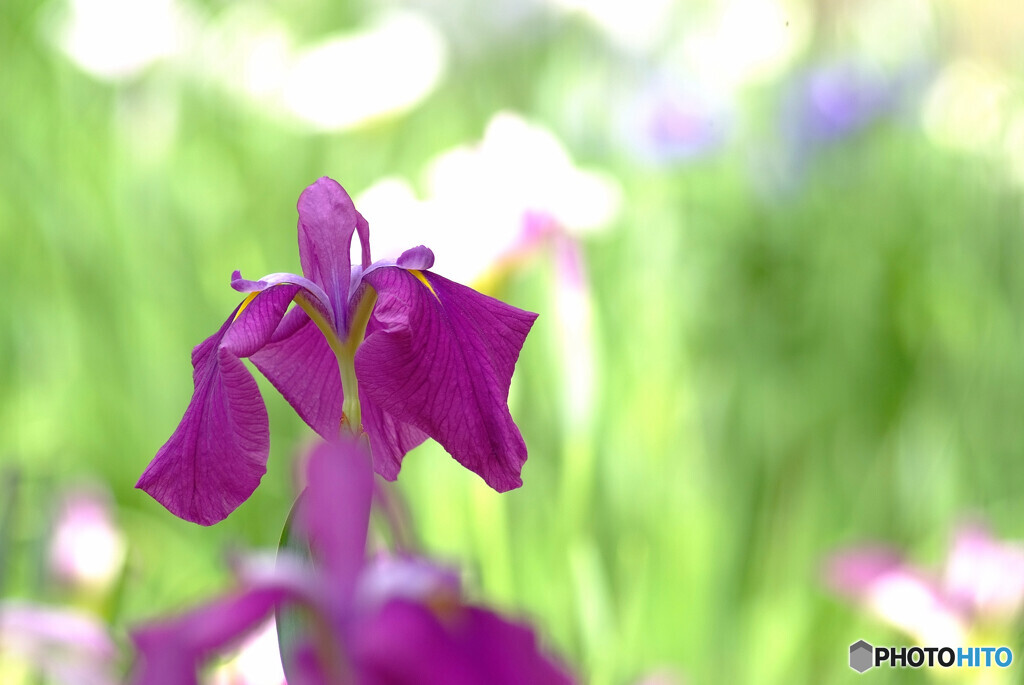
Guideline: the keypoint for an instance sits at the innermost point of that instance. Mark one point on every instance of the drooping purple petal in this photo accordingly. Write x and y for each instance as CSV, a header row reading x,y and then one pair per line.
x,y
172,650
390,439
363,230
218,453
406,643
327,220
335,513
439,357
300,364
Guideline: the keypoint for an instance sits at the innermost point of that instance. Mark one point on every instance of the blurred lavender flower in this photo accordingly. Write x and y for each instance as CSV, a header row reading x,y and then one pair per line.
x,y
64,645
829,103
437,361
87,550
981,585
391,620
836,100
668,122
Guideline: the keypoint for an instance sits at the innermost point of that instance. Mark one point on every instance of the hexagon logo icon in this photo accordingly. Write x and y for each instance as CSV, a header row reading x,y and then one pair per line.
x,y
861,654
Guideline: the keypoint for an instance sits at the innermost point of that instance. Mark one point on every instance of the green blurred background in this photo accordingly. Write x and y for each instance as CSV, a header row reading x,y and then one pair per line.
x,y
799,325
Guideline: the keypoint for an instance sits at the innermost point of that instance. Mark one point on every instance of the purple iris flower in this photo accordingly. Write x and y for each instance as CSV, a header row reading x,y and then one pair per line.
x,y
387,348
393,620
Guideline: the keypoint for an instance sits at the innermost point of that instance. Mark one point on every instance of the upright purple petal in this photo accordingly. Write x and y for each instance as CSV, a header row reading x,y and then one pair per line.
x,y
300,364
439,357
335,513
327,220
218,454
363,230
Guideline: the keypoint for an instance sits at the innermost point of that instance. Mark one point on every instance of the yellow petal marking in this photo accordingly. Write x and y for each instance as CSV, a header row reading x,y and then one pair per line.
x,y
245,303
423,279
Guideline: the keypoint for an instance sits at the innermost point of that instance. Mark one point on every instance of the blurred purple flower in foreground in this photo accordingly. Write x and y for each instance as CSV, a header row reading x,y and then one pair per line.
x,y
390,620
388,348
980,585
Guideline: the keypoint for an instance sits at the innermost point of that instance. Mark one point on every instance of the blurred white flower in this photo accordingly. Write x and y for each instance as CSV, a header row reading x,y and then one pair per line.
x,y
747,41
476,27
117,39
248,49
479,197
967,107
86,549
348,80
640,24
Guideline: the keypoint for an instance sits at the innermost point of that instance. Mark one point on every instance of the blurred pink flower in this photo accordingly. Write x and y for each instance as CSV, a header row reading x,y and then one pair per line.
x,y
64,645
87,550
981,583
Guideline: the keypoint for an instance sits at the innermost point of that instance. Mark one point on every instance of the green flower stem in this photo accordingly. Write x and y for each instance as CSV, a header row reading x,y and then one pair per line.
x,y
345,352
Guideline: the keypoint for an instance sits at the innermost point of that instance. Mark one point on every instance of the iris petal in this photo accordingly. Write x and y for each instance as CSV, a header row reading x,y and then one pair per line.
x,y
327,221
440,358
335,513
300,364
406,641
390,439
171,650
218,453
